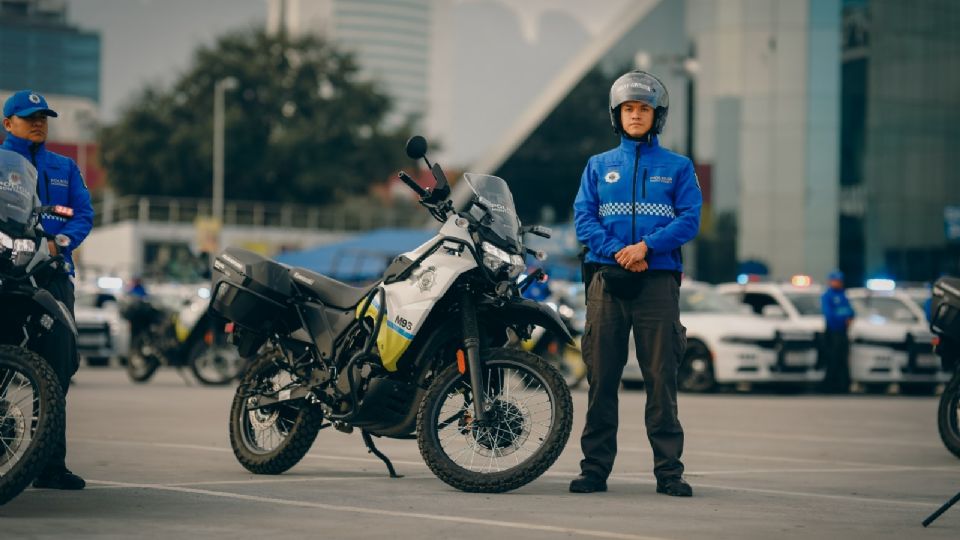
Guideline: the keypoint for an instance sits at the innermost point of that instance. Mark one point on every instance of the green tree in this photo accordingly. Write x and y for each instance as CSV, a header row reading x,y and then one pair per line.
x,y
300,126
545,170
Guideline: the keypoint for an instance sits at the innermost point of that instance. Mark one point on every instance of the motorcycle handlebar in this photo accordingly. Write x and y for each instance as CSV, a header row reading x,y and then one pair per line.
x,y
413,185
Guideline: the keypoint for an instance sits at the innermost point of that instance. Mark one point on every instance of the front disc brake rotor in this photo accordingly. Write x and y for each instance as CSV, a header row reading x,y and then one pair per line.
x,y
12,428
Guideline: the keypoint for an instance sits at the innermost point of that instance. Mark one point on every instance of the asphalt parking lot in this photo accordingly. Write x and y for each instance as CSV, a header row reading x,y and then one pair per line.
x,y
158,464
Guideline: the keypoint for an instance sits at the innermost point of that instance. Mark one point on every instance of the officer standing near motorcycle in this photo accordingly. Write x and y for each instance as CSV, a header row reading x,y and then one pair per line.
x,y
59,182
838,315
637,205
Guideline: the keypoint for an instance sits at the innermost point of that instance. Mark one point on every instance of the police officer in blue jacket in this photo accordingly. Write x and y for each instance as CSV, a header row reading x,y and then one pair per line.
x,y
838,314
637,205
59,182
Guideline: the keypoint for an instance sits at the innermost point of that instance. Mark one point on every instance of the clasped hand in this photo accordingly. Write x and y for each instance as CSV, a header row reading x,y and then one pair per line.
x,y
634,257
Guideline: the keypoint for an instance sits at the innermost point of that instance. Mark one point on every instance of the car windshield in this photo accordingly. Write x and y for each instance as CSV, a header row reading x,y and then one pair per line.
x,y
806,303
18,189
704,300
881,309
494,195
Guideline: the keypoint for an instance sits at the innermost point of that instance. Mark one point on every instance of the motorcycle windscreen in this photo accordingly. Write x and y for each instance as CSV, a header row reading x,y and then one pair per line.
x,y
494,194
18,189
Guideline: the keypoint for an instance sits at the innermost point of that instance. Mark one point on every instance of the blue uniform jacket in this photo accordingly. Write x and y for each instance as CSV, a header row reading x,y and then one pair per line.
x,y
836,310
638,191
58,182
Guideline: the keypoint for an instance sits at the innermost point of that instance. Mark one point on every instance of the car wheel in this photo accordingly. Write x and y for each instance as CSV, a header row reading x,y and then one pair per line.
x,y
696,372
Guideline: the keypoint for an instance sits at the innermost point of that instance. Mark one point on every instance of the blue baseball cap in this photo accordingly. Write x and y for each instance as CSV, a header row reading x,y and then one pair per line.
x,y
25,103
836,274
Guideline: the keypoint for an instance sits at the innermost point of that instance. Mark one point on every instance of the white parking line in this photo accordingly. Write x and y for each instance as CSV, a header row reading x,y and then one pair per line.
x,y
561,476
268,480
754,457
381,512
815,438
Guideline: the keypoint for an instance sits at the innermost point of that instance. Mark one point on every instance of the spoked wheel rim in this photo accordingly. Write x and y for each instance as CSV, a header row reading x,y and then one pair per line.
x,y
218,364
263,430
20,412
521,419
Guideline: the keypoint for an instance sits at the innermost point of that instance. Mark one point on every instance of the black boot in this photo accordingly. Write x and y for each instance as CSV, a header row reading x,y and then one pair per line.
x,y
587,483
675,487
59,478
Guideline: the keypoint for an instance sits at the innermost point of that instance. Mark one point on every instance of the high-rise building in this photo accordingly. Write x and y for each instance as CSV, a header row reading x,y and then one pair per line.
x,y
39,49
391,41
901,95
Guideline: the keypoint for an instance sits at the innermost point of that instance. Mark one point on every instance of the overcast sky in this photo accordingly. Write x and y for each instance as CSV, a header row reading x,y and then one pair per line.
x,y
145,41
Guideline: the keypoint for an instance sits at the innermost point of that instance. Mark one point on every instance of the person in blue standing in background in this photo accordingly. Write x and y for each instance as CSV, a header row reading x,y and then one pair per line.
x,y
637,205
838,315
59,182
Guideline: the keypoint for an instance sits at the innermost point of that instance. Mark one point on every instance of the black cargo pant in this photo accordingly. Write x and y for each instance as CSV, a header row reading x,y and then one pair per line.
x,y
836,353
660,340
60,351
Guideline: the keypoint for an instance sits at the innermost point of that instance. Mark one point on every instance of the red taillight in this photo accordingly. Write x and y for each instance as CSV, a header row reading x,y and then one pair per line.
x,y
228,328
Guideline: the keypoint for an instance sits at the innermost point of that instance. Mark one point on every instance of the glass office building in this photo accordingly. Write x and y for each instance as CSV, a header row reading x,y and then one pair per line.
x,y
40,50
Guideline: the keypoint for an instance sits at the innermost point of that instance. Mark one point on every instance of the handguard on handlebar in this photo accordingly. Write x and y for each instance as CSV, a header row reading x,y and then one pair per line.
x,y
413,185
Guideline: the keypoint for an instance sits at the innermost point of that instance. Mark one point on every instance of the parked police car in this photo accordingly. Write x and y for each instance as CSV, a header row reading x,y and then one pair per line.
x,y
727,344
885,348
102,333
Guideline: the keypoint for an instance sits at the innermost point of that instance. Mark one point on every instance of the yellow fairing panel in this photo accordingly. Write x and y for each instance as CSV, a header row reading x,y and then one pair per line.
x,y
392,340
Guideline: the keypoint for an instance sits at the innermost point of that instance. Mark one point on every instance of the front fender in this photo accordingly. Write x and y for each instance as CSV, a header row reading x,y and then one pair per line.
x,y
55,309
536,313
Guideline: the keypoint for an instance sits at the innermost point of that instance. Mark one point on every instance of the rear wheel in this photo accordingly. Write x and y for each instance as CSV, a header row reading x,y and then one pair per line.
x,y
270,440
142,362
31,416
948,415
528,425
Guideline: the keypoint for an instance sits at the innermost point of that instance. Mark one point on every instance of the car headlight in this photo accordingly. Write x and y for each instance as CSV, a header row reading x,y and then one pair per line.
x,y
497,260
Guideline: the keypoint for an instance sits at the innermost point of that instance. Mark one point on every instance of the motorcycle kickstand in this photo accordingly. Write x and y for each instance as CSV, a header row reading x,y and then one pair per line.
x,y
946,506
183,376
368,441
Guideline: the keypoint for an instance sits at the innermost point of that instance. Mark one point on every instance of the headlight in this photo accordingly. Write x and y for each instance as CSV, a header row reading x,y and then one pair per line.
x,y
5,242
497,259
21,250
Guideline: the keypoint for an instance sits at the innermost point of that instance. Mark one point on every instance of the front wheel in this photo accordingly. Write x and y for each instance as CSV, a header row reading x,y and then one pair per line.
x,y
696,372
31,417
215,364
270,440
948,415
529,421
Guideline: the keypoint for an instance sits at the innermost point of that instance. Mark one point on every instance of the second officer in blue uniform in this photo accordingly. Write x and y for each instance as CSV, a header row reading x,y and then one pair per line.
x,y
637,205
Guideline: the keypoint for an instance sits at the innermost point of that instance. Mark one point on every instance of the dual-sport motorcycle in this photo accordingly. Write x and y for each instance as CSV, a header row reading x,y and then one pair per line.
x,y
420,354
31,400
945,323
186,334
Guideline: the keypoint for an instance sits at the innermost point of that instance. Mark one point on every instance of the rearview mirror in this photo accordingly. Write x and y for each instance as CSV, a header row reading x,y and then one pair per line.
x,y
416,147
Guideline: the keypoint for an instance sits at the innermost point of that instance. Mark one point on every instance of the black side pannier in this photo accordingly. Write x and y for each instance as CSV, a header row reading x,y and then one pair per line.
x,y
252,291
945,308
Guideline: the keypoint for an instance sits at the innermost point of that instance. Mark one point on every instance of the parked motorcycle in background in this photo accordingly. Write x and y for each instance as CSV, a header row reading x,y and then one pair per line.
x,y
31,399
179,333
945,323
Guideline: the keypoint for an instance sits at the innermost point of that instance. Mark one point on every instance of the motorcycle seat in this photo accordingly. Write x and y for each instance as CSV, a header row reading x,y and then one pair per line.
x,y
328,290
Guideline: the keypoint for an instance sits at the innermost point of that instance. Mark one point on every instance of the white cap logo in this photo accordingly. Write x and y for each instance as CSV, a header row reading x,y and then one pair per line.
x,y
35,99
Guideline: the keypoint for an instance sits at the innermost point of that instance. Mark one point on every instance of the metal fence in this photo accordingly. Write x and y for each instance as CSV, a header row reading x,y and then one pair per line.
x,y
350,217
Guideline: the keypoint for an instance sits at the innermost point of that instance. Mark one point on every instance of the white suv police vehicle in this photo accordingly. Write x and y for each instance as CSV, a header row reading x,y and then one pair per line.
x,y
889,339
728,344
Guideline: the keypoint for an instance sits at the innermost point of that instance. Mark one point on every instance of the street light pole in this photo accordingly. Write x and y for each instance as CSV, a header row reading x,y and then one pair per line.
x,y
219,88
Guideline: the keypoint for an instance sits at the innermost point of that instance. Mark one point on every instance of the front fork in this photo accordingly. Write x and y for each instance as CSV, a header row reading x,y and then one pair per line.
x,y
471,344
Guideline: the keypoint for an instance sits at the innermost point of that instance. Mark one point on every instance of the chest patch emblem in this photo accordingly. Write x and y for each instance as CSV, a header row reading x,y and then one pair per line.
x,y
612,177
